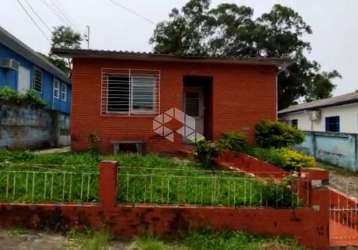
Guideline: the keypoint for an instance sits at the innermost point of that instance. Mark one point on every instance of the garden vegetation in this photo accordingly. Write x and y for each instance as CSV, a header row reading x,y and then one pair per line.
x,y
274,141
11,96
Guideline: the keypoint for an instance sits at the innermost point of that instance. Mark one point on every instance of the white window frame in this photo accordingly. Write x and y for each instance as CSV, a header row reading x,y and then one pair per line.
x,y
132,73
63,92
34,77
141,111
56,88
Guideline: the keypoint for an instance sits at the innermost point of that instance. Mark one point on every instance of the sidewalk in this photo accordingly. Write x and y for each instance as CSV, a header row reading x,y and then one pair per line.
x,y
343,180
53,150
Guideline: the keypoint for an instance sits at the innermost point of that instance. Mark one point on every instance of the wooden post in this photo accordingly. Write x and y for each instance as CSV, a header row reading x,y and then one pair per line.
x,y
108,184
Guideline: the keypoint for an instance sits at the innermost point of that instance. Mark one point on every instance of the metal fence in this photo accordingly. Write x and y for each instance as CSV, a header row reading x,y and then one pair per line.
x,y
344,214
48,186
219,188
180,186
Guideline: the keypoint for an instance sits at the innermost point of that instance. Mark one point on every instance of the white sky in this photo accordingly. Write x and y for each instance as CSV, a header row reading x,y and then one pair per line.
x,y
334,24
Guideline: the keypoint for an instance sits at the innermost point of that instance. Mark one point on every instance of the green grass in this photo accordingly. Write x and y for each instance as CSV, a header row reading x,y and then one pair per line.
x,y
90,240
215,241
142,179
199,240
196,186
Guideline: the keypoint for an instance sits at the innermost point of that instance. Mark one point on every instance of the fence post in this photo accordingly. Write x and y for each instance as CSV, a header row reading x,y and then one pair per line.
x,y
108,184
314,144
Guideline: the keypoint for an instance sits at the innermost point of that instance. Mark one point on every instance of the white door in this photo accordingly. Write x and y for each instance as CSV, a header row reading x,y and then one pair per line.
x,y
24,79
194,107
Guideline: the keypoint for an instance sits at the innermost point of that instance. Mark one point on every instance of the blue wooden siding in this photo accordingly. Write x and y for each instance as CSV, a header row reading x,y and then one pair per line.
x,y
9,78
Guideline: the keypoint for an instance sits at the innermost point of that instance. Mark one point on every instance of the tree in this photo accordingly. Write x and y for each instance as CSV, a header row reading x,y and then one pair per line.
x,y
183,34
231,30
64,37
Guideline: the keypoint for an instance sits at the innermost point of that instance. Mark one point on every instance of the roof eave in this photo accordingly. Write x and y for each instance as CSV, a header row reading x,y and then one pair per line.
x,y
282,112
279,63
13,43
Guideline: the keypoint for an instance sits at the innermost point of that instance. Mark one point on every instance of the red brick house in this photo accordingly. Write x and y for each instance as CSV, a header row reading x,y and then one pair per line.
x,y
116,96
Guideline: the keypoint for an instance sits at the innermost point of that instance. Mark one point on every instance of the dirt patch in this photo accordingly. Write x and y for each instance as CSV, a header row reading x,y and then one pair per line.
x,y
13,240
20,239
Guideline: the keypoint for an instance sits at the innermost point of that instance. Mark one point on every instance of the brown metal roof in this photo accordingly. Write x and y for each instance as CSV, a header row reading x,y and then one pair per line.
x,y
327,102
147,56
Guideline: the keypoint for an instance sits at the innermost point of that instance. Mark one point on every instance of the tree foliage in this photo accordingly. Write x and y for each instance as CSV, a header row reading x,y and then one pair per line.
x,y
232,30
64,37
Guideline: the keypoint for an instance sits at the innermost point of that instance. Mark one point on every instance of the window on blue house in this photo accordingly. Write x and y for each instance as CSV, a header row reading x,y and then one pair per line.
x,y
63,94
332,124
37,80
56,89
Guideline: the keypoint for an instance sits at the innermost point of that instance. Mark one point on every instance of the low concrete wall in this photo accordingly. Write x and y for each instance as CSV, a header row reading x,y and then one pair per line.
x,y
340,149
29,127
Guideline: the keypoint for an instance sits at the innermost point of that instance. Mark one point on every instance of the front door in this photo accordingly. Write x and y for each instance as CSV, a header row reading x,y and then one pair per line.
x,y
194,107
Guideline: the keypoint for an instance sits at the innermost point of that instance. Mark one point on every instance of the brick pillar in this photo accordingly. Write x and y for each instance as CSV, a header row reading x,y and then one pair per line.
x,y
108,184
311,180
316,182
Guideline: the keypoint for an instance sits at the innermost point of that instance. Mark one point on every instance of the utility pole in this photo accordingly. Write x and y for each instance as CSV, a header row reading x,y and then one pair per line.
x,y
87,36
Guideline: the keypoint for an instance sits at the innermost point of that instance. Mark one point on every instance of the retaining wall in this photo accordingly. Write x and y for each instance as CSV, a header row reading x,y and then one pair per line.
x,y
29,127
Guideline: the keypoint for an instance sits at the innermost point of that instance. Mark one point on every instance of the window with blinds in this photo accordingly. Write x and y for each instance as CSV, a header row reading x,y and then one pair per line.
x,y
37,80
127,91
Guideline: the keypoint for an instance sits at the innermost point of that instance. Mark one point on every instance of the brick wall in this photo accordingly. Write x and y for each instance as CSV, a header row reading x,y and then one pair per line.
x,y
242,95
309,227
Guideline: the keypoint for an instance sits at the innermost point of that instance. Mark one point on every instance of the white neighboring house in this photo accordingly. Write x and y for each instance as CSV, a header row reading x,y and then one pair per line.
x,y
335,114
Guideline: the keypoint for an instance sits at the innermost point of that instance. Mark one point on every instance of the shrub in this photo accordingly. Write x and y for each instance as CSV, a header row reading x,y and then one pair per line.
x,y
11,96
31,97
277,134
284,157
233,141
205,151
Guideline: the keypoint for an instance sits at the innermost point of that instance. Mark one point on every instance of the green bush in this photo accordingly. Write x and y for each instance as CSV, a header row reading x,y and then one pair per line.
x,y
233,141
205,151
284,157
277,134
11,96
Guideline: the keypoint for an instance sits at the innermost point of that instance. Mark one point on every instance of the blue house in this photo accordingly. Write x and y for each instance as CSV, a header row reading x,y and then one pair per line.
x,y
22,68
